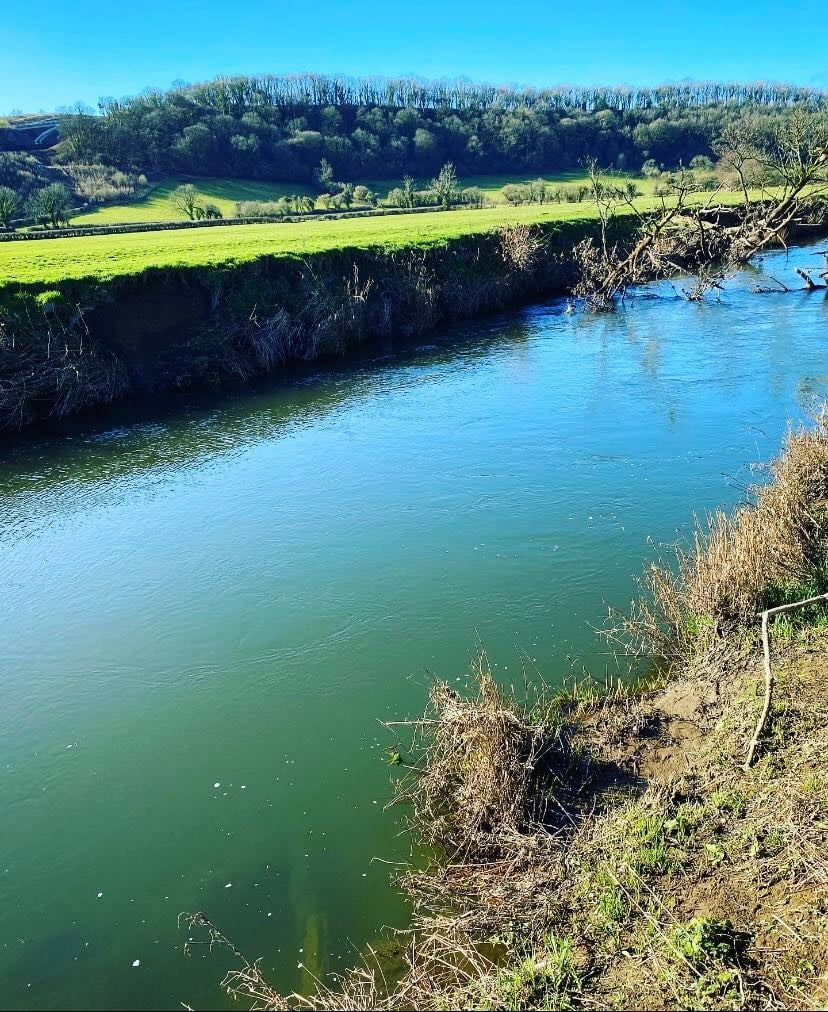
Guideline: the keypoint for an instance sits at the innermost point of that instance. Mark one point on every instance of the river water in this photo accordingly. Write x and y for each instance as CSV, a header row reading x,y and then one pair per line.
x,y
205,613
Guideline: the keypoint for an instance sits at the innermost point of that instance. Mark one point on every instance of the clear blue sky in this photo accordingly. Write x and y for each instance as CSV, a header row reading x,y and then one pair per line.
x,y
54,53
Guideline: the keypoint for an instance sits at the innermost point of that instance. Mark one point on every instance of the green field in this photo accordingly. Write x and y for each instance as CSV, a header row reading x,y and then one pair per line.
x,y
225,193
47,261
492,185
156,205
106,256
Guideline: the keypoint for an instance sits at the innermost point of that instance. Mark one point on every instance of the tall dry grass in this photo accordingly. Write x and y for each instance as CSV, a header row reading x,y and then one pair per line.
x,y
739,563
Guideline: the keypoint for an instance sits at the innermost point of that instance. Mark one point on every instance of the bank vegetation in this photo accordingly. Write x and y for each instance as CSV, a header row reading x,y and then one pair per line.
x,y
626,847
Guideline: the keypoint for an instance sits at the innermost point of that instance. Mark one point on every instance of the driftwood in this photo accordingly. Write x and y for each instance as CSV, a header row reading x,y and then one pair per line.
x,y
782,287
810,284
764,716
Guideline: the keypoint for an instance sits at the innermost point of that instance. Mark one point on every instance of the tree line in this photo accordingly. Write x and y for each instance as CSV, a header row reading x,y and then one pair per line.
x,y
281,127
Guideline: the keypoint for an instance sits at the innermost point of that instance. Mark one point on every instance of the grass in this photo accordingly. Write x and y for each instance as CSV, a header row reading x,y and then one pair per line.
x,y
492,185
156,206
225,193
108,256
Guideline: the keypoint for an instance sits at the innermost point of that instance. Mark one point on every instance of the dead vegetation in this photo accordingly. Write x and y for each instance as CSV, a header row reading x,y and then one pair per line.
x,y
740,563
49,365
781,175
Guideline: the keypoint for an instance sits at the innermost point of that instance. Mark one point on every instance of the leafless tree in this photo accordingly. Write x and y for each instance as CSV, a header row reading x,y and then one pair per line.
x,y
185,199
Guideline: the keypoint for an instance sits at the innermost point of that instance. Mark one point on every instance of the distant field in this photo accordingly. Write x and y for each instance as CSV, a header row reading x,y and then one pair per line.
x,y
105,256
226,193
492,185
156,205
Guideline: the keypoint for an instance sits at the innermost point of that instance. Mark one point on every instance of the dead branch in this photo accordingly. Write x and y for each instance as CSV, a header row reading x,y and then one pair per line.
x,y
810,284
764,716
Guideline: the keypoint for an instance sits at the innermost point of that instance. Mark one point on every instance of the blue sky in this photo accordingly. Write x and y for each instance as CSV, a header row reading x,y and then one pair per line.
x,y
54,53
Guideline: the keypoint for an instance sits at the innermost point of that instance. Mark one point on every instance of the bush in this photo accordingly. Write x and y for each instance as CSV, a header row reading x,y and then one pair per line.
x,y
473,196
362,195
702,163
50,205
516,193
261,209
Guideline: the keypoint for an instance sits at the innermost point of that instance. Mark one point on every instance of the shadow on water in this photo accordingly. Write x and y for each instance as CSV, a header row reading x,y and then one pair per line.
x,y
186,427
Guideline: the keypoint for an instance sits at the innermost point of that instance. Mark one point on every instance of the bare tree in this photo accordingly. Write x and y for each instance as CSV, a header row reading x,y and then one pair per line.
x,y
779,172
610,266
445,187
409,192
788,165
185,199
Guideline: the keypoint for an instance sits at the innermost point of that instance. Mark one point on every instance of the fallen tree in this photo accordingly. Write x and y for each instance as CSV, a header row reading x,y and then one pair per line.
x,y
781,174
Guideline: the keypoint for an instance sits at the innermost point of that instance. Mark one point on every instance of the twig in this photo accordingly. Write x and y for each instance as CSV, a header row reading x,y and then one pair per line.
x,y
769,680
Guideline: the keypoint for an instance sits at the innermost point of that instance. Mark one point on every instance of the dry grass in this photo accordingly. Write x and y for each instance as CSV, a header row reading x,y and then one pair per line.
x,y
743,562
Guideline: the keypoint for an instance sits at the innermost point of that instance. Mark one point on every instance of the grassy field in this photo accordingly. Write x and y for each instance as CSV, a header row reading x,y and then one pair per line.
x,y
107,256
225,193
492,185
156,205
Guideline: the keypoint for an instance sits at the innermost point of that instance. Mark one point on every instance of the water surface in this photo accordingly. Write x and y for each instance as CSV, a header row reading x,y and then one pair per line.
x,y
205,613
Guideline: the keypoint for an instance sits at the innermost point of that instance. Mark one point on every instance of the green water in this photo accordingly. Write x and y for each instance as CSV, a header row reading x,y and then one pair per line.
x,y
236,594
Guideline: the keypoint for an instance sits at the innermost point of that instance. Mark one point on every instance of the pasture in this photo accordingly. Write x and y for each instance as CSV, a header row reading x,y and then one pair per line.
x,y
156,205
48,261
225,193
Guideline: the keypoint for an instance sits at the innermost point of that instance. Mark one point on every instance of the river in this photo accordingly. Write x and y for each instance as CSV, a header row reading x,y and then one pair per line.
x,y
206,611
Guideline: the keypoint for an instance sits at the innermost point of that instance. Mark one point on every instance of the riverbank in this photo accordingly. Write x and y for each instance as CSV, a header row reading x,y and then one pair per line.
x,y
91,320
620,849
77,343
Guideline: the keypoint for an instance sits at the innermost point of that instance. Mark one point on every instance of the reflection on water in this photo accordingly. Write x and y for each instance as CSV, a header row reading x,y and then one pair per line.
x,y
204,612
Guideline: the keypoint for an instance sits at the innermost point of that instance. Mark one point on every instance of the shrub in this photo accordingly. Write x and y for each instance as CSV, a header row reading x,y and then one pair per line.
x,y
362,195
473,196
9,205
